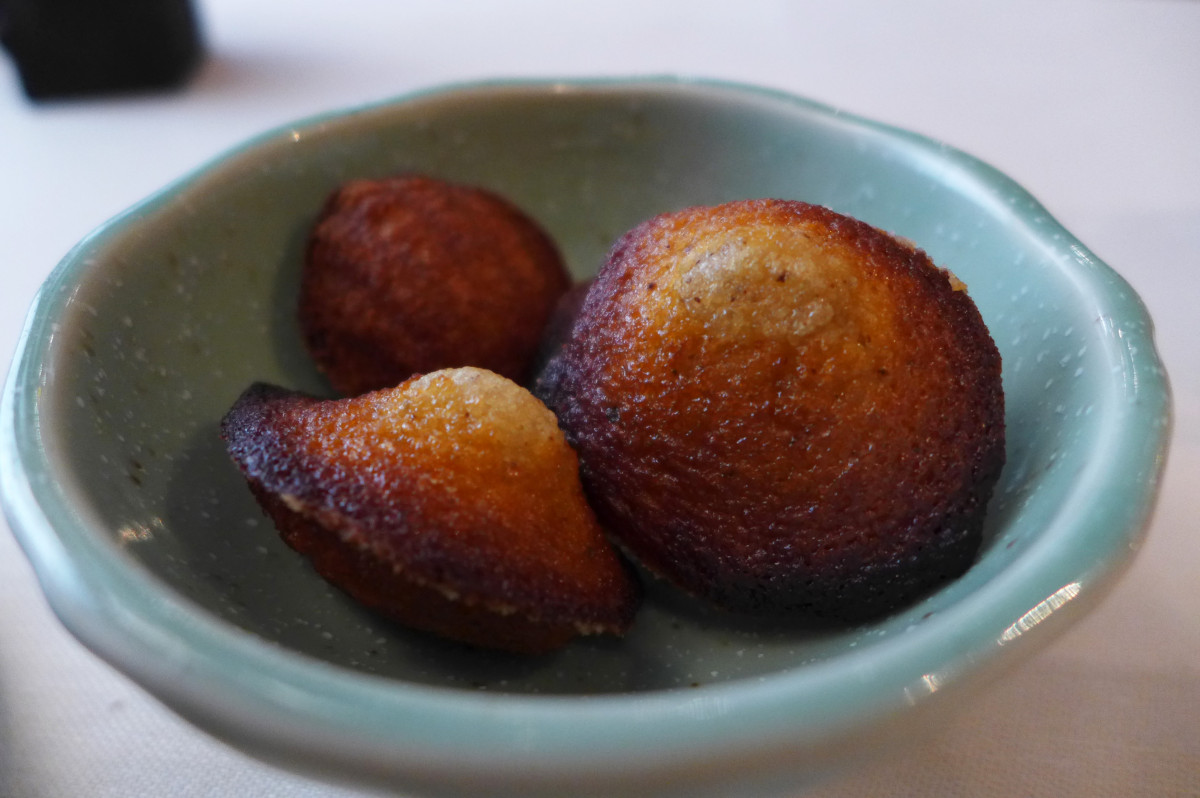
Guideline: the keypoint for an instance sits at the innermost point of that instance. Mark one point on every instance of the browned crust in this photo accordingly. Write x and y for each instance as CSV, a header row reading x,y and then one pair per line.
x,y
410,274
379,587
839,471
487,548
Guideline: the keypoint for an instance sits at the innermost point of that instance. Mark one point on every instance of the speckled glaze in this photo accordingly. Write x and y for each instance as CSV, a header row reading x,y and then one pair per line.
x,y
152,551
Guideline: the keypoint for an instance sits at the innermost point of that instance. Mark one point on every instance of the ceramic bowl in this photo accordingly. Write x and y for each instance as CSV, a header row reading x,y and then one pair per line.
x,y
152,551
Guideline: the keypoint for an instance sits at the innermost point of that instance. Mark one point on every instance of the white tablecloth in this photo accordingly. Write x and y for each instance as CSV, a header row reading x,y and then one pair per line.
x,y
1093,106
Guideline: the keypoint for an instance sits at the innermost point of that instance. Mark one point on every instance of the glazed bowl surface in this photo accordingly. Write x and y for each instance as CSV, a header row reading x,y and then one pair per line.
x,y
153,553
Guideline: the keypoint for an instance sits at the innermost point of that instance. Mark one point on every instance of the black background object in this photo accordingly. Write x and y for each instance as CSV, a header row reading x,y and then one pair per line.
x,y
76,48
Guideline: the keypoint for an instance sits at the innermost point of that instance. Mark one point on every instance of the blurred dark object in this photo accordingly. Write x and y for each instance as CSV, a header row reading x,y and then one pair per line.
x,y
75,48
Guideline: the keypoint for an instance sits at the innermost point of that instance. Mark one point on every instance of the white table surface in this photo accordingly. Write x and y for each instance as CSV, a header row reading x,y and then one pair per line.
x,y
1093,106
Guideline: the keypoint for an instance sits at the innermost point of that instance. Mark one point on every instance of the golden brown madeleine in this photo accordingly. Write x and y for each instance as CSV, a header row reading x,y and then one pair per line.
x,y
783,409
409,275
451,503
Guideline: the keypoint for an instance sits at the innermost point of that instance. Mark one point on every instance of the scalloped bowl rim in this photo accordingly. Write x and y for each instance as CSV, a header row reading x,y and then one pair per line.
x,y
275,702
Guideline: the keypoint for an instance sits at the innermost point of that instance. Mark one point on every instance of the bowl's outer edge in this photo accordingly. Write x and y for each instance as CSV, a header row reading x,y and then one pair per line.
x,y
416,737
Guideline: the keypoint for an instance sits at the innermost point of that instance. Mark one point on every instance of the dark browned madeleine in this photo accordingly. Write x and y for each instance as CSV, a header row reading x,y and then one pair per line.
x,y
783,409
451,503
410,274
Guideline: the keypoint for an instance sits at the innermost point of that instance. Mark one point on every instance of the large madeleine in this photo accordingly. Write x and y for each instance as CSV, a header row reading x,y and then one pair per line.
x,y
783,409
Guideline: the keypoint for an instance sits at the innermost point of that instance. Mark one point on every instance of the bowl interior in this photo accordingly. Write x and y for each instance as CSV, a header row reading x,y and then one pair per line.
x,y
189,297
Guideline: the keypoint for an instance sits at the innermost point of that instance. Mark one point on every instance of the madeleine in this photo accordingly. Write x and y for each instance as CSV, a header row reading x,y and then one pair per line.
x,y
450,503
408,275
783,410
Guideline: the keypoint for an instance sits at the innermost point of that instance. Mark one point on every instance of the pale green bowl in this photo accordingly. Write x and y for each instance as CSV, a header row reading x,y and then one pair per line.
x,y
152,551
